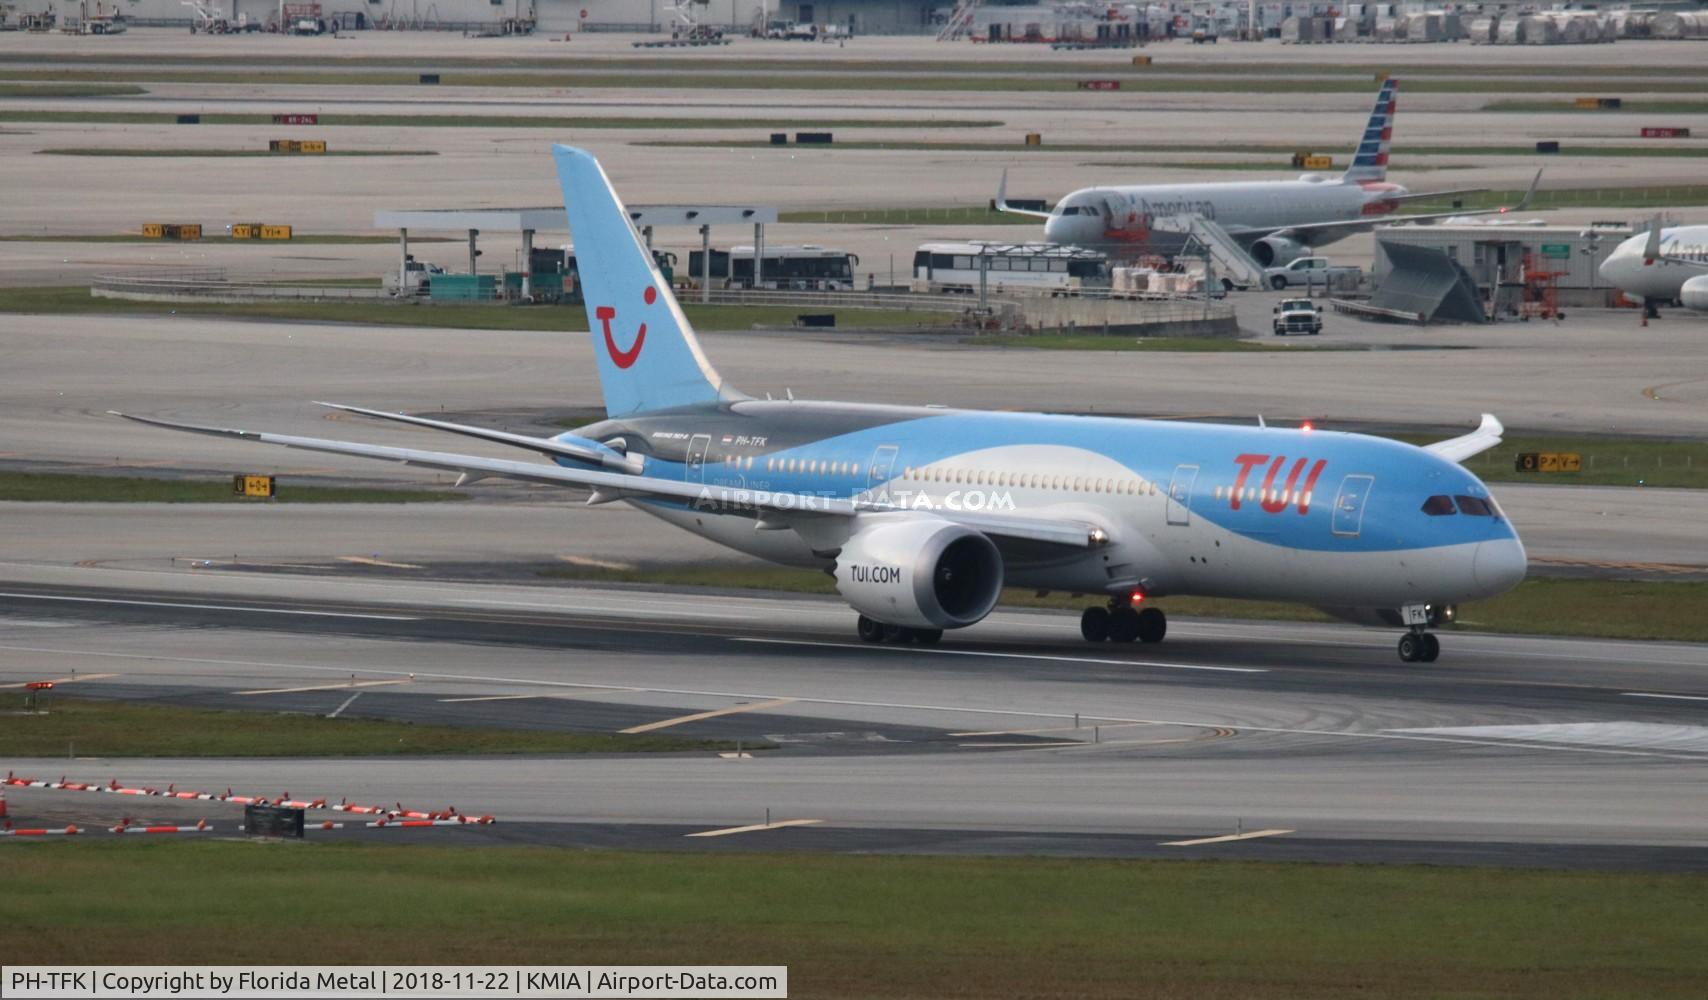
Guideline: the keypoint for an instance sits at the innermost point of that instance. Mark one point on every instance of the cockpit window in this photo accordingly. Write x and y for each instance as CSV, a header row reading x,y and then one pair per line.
x,y
1070,209
1438,506
1475,506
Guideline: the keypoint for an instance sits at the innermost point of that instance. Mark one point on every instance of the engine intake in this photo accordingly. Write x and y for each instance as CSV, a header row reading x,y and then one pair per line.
x,y
1278,251
919,571
1694,294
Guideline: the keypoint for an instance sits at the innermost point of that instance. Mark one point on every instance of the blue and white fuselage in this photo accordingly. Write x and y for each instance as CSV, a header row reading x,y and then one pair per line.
x,y
923,515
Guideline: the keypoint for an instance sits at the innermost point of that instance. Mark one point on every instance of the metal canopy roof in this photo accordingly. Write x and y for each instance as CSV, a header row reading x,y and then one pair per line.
x,y
516,220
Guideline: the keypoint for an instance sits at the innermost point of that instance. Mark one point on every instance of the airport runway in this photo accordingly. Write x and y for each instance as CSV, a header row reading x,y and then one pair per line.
x,y
1011,736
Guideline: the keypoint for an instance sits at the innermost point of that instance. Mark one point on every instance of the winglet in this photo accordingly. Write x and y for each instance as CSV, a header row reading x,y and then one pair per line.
x,y
1652,249
1486,436
1524,202
1002,204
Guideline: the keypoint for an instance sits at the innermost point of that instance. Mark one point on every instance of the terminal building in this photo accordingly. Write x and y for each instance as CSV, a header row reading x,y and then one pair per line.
x,y
556,17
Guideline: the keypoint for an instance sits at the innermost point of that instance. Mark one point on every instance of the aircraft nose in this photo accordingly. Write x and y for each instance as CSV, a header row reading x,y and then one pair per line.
x,y
1499,565
1609,270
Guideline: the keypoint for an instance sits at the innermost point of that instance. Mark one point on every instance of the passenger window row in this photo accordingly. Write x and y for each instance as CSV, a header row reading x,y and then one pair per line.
x,y
1029,480
1252,494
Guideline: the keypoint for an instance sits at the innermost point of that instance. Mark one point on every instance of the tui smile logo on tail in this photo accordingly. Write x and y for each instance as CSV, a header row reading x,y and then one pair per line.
x,y
623,359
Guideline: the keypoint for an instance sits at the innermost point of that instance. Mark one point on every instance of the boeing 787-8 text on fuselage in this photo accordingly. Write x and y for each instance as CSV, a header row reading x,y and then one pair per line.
x,y
924,514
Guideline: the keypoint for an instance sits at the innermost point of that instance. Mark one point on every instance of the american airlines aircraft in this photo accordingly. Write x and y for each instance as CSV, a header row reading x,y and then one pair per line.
x,y
1277,221
1662,265
922,515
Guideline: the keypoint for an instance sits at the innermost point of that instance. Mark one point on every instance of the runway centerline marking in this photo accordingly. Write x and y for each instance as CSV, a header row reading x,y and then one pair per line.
x,y
212,607
345,686
714,713
62,680
755,828
1670,697
1227,839
1049,657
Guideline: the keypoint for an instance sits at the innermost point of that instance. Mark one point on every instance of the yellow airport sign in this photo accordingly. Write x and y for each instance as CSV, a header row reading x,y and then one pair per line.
x,y
1549,461
253,486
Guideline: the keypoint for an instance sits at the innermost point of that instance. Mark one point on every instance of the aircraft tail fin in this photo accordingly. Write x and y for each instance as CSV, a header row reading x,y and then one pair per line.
x,y
647,355
1370,162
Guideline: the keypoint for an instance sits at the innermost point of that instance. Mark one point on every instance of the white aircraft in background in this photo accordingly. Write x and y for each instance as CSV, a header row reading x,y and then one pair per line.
x,y
1662,265
1276,221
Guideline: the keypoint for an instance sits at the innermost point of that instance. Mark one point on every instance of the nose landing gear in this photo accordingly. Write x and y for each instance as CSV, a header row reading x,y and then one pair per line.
x,y
1419,647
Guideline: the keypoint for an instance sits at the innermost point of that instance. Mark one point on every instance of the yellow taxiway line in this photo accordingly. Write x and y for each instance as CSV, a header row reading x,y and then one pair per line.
x,y
714,713
1227,839
341,686
780,824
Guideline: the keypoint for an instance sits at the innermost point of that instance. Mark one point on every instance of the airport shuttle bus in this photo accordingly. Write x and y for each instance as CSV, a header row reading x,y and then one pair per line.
x,y
955,267
805,268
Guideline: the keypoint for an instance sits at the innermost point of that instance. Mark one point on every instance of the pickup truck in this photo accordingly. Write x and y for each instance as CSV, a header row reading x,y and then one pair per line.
x,y
1298,316
1310,271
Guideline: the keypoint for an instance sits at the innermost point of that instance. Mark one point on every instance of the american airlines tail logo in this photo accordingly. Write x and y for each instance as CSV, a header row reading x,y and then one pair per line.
x,y
1273,500
624,359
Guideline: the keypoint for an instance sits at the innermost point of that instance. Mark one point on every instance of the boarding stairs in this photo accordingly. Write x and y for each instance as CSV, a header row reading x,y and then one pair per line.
x,y
960,22
1230,260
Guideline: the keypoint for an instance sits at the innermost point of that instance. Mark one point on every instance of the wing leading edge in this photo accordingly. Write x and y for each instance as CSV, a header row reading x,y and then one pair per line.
x,y
608,486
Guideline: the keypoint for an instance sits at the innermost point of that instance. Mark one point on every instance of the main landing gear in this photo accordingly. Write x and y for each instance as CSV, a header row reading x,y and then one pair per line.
x,y
872,630
1121,622
1418,646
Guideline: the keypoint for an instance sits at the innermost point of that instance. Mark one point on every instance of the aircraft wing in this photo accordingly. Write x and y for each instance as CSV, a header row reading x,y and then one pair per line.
x,y
609,486
1486,436
1002,204
1330,231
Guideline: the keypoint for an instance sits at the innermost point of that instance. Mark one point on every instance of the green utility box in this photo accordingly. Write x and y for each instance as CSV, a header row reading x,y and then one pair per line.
x,y
462,287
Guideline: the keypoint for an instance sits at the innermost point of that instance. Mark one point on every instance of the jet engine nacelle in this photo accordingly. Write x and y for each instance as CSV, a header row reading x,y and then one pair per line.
x,y
1694,294
1278,251
919,571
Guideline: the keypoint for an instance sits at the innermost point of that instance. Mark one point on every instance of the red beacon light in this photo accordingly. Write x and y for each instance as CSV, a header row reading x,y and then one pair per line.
x,y
1306,427
1136,598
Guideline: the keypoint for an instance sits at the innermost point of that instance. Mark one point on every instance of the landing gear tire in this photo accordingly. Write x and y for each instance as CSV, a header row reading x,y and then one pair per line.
x,y
1153,625
1094,624
897,635
1123,625
927,636
1419,647
869,630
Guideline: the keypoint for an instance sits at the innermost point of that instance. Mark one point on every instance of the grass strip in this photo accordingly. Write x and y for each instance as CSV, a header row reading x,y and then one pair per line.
x,y
116,151
1115,342
1541,606
1627,106
1607,461
70,90
876,927
834,76
1165,65
321,239
497,121
1657,150
93,728
66,487
73,299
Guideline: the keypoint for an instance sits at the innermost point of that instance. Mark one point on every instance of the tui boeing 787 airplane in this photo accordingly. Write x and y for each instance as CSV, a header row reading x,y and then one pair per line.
x,y
922,515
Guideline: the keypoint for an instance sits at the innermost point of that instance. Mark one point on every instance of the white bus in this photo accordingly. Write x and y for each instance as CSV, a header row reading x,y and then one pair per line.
x,y
955,267
806,268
